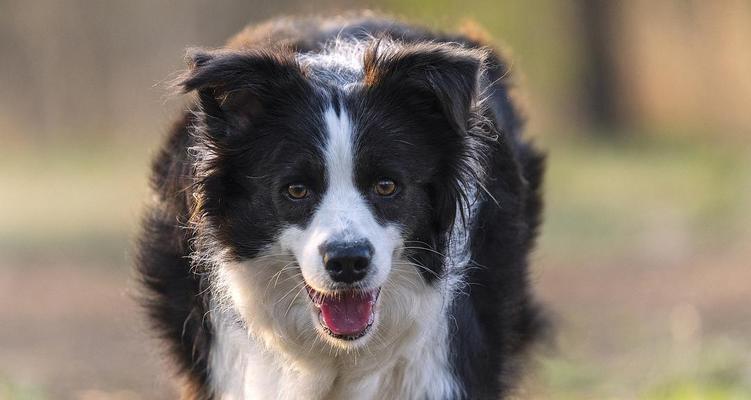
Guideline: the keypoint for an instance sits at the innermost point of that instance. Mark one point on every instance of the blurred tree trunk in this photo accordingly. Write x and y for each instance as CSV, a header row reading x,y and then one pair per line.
x,y
598,20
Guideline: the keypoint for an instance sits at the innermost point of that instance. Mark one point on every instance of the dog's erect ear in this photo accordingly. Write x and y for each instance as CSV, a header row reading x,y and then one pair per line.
x,y
434,76
236,86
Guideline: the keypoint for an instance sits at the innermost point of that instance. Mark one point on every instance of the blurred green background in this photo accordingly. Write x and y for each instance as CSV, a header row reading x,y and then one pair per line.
x,y
644,257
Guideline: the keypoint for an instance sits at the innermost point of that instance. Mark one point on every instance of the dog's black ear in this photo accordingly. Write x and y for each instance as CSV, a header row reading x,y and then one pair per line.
x,y
234,87
436,81
441,77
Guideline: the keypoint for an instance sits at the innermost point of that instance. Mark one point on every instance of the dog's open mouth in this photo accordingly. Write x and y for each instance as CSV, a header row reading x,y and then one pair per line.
x,y
345,314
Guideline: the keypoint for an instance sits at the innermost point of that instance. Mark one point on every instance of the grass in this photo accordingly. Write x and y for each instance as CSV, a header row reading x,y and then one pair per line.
x,y
78,200
719,372
15,391
621,197
722,374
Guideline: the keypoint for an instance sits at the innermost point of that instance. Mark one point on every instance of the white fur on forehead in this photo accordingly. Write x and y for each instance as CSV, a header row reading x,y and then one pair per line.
x,y
340,54
342,61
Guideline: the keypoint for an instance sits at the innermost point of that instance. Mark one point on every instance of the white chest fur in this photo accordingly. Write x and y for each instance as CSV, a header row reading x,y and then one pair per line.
x,y
413,365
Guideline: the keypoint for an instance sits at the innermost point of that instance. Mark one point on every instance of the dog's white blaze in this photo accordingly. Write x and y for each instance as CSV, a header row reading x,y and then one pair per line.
x,y
280,353
340,158
342,214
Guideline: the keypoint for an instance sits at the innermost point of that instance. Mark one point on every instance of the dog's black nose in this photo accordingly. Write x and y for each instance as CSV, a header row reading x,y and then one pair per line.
x,y
347,262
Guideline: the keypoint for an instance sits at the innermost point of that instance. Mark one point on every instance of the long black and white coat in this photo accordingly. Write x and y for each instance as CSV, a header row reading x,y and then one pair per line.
x,y
225,254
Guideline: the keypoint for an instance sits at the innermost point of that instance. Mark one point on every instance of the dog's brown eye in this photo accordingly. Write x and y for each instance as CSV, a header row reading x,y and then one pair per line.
x,y
297,191
385,187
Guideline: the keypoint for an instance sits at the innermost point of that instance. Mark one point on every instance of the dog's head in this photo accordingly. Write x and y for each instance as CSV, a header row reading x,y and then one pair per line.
x,y
326,190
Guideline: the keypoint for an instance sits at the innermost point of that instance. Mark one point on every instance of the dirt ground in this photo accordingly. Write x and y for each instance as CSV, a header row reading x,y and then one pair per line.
x,y
75,332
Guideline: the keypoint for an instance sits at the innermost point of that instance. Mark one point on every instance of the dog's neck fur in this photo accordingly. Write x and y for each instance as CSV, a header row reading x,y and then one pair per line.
x,y
414,364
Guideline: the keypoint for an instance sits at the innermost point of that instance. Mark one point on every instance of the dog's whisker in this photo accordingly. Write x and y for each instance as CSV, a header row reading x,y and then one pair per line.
x,y
302,288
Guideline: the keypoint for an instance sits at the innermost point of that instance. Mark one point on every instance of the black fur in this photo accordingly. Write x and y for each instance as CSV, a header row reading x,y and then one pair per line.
x,y
214,182
172,286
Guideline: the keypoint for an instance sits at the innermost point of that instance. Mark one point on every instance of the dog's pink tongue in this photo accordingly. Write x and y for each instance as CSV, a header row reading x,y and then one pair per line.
x,y
347,313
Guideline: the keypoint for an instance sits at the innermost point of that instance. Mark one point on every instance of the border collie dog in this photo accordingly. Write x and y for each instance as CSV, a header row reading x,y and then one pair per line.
x,y
345,211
